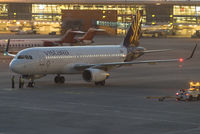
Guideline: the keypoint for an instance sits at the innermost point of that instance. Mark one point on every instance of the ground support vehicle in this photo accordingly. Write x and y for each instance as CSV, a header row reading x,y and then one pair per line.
x,y
190,94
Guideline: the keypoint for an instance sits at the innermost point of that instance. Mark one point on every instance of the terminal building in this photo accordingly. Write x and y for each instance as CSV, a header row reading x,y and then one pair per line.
x,y
47,16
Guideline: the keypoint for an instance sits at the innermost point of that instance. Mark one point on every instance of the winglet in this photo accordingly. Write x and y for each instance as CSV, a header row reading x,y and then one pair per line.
x,y
193,51
7,47
6,53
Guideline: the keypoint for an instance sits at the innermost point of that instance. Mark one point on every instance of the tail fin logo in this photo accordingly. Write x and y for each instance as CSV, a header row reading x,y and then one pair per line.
x,y
133,34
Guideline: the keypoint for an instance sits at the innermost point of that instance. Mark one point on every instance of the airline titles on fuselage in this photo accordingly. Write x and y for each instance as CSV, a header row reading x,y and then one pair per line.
x,y
56,53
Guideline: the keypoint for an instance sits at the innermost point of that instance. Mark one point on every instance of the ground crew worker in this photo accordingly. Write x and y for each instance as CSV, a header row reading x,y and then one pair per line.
x,y
13,81
20,84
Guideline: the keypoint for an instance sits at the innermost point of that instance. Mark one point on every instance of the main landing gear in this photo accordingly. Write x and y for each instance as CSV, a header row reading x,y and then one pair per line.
x,y
31,84
100,83
59,79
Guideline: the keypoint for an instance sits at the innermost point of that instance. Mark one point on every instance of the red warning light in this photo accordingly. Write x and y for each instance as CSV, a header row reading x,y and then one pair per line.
x,y
181,60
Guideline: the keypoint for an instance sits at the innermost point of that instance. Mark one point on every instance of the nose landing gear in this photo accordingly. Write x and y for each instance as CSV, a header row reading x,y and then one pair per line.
x,y
31,84
59,79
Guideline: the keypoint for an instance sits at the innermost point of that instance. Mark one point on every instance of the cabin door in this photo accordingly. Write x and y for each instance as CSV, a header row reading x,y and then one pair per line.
x,y
42,63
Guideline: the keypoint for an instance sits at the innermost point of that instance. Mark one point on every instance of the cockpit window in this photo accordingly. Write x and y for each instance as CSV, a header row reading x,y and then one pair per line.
x,y
24,57
20,57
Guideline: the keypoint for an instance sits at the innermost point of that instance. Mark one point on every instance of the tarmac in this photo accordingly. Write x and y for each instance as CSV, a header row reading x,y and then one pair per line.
x,y
119,107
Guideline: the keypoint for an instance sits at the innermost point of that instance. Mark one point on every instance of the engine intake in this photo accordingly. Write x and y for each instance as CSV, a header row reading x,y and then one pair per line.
x,y
95,75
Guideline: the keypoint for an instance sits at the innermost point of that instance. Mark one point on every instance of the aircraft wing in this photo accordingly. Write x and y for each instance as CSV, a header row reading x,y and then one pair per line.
x,y
108,66
9,54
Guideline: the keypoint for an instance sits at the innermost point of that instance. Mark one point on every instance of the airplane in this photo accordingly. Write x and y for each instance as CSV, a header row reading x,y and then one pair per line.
x,y
93,62
87,38
19,44
67,40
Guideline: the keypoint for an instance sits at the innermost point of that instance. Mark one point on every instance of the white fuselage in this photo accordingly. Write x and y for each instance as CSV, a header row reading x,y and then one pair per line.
x,y
61,60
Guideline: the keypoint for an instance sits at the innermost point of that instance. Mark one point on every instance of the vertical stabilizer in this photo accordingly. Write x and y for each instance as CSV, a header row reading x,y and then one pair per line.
x,y
89,35
68,37
133,35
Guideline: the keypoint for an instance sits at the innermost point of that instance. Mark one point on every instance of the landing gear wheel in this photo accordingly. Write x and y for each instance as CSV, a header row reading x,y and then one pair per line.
x,y
62,79
100,83
31,84
59,79
56,79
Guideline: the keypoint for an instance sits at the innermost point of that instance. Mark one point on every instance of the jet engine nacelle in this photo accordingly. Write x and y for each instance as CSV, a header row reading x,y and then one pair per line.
x,y
95,75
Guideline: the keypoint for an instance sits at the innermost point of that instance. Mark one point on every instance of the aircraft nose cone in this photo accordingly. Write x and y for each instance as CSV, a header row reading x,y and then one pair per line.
x,y
14,66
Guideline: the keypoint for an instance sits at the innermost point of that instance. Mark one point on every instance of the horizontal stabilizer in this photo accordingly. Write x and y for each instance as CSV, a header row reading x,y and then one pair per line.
x,y
77,32
97,30
153,51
